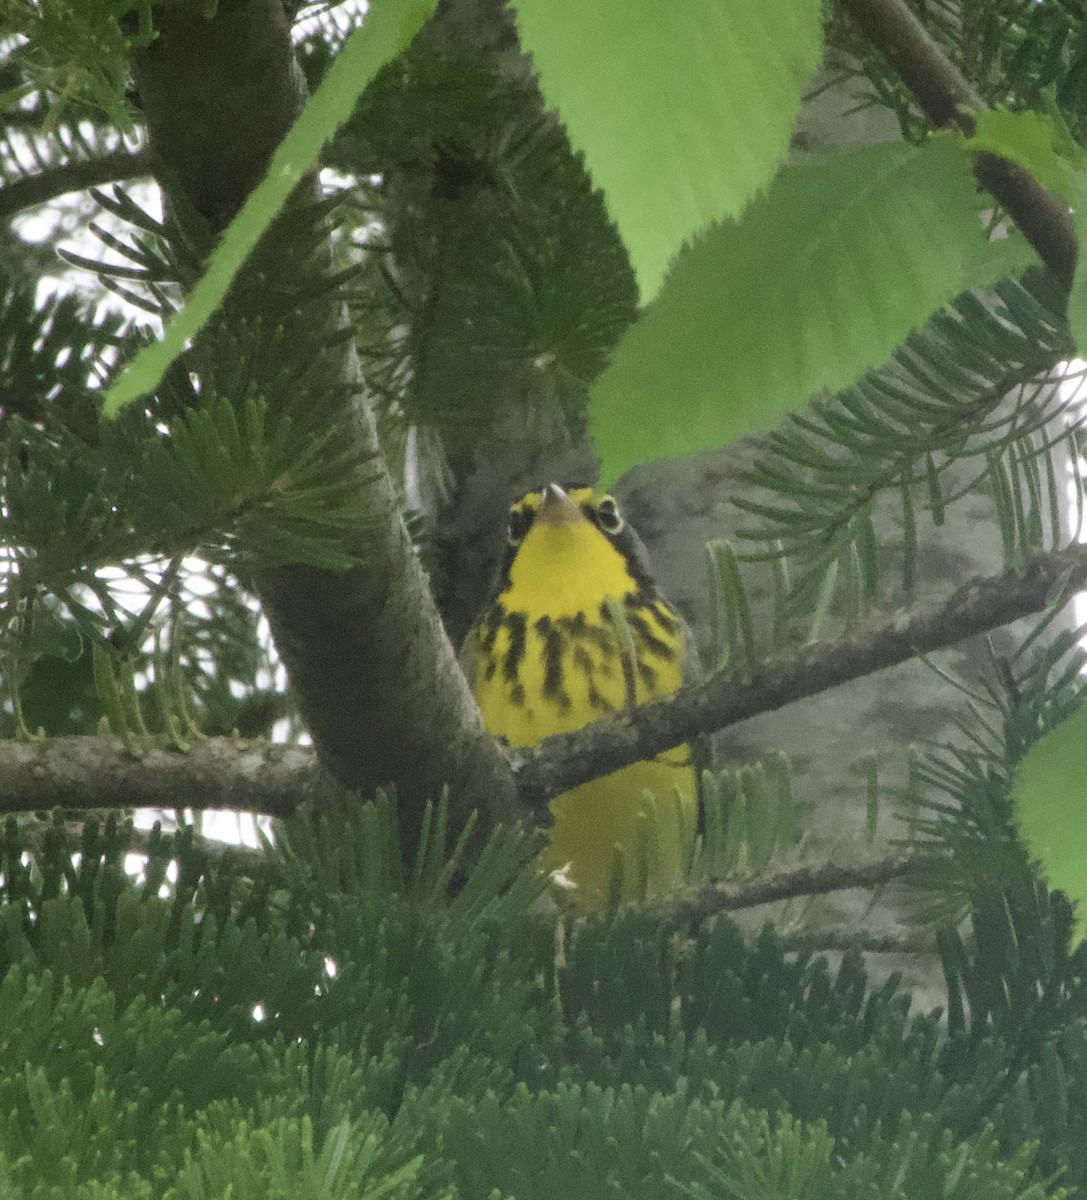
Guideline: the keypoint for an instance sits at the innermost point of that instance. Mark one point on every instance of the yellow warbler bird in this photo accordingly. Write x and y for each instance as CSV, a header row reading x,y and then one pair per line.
x,y
549,653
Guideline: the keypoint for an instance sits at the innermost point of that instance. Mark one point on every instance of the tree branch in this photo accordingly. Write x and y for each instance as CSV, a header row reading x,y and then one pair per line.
x,y
947,97
73,177
785,885
85,773
617,740
843,940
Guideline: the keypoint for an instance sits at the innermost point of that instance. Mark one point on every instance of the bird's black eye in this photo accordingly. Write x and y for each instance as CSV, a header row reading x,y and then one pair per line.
x,y
608,515
520,520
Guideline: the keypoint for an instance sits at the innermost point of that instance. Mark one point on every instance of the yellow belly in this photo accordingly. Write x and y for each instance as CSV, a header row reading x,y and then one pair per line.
x,y
630,830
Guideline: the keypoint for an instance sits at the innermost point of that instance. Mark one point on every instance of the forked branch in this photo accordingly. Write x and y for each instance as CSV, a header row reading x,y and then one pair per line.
x,y
95,772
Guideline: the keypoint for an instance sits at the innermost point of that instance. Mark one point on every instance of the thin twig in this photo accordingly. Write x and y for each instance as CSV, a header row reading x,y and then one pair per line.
x,y
786,885
73,177
922,942
948,98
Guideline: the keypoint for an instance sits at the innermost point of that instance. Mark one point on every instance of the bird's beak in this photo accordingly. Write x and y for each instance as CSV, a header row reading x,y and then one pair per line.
x,y
557,508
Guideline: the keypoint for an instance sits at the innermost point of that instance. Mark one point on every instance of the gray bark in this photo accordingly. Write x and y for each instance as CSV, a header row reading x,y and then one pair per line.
x,y
375,676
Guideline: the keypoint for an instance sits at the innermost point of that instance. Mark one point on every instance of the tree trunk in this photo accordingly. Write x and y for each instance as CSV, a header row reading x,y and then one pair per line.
x,y
374,674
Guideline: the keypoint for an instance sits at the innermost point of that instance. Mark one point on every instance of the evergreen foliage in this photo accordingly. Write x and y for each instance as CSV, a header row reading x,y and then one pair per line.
x,y
321,1018
498,258
210,463
973,386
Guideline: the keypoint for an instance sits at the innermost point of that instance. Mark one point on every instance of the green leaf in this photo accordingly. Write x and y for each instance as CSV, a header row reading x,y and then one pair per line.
x,y
1049,792
818,281
389,26
683,112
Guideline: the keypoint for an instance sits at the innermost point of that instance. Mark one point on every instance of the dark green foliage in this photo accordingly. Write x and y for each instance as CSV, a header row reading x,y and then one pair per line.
x,y
1013,981
793,1162
58,692
508,274
48,357
580,1142
96,514
72,71
965,806
320,1019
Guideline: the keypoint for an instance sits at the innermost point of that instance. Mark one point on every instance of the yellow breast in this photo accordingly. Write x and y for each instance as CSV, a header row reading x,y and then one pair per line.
x,y
548,659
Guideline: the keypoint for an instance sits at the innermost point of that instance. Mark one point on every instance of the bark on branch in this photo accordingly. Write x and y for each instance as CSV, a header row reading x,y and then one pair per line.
x,y
89,773
83,773
615,741
227,773
785,885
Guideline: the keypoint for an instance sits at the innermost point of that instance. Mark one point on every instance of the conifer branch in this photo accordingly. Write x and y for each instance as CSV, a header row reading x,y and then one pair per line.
x,y
786,885
947,97
617,740
87,773
73,177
